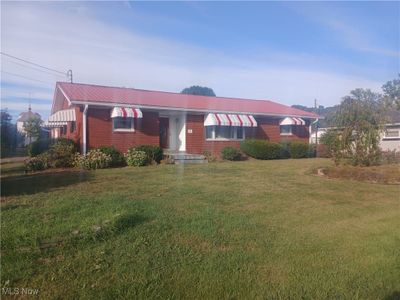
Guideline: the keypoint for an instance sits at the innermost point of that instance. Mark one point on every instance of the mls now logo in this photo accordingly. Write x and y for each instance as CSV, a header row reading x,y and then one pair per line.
x,y
18,291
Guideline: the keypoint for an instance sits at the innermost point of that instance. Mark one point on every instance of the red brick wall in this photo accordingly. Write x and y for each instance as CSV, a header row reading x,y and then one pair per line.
x,y
100,132
268,129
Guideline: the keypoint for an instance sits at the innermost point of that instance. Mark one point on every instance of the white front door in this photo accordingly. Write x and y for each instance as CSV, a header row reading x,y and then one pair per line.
x,y
177,135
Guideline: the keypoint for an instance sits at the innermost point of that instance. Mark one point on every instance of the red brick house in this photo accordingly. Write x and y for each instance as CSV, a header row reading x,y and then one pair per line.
x,y
96,116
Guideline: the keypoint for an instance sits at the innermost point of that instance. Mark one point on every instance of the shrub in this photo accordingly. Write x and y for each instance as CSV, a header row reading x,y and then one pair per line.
x,y
117,159
154,153
43,145
34,164
61,154
390,157
261,149
285,153
298,150
136,158
208,156
230,153
94,159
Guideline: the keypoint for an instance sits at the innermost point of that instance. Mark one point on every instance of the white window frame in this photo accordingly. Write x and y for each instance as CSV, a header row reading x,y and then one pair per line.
x,y
286,133
391,137
213,138
132,129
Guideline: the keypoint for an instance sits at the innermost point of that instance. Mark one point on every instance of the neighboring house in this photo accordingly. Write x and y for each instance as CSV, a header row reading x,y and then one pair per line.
x,y
390,138
22,118
96,116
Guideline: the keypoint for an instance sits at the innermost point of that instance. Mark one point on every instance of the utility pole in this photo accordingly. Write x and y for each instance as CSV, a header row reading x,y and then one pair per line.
x,y
69,75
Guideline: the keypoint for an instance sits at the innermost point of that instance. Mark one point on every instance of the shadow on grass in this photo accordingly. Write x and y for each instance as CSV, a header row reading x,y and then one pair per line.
x,y
394,296
44,182
128,221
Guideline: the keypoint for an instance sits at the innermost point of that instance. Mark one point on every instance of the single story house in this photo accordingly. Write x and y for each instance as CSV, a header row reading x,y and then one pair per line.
x,y
390,137
95,116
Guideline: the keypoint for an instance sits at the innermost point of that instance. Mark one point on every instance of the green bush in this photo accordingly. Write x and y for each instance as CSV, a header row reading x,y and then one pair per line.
x,y
285,152
154,153
35,164
61,154
136,158
298,149
94,159
43,145
230,153
117,159
261,149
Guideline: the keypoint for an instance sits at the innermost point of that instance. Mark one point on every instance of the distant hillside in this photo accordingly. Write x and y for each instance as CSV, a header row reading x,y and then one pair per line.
x,y
326,112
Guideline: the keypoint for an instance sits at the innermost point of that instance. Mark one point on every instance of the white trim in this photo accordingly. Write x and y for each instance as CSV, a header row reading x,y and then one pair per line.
x,y
110,104
84,125
132,129
65,95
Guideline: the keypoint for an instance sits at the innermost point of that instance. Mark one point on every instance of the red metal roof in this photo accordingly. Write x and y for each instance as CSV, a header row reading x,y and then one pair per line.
x,y
88,93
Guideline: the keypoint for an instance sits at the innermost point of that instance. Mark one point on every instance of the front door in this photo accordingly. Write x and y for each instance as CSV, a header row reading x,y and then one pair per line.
x,y
164,132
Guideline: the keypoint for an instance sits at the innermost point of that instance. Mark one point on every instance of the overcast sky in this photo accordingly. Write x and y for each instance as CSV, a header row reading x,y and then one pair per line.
x,y
289,52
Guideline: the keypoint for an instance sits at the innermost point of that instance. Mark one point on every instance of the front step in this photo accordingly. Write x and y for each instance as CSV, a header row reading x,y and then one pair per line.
x,y
185,158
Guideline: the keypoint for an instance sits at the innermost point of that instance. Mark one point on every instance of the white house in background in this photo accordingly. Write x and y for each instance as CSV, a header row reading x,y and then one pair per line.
x,y
390,139
22,118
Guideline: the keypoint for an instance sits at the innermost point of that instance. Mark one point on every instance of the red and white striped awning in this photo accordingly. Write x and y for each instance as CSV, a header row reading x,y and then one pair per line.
x,y
126,112
48,124
65,115
230,120
292,121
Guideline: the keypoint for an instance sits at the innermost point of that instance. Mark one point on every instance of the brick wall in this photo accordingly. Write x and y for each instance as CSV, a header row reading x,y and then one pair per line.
x,y
268,129
100,132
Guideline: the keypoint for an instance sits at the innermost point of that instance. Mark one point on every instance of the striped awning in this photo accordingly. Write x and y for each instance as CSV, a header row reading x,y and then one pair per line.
x,y
292,121
48,124
126,112
230,120
65,115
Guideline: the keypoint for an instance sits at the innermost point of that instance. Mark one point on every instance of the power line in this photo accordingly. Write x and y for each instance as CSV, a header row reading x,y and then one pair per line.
x,y
32,63
13,74
36,69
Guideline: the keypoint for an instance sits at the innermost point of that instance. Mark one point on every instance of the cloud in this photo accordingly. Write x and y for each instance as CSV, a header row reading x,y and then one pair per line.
x,y
102,53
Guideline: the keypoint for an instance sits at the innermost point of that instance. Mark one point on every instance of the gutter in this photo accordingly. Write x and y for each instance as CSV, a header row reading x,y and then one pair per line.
x,y
84,128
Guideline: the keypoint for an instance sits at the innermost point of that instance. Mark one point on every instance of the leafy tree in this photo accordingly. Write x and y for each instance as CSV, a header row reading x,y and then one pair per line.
x,y
8,133
359,122
198,90
32,127
391,92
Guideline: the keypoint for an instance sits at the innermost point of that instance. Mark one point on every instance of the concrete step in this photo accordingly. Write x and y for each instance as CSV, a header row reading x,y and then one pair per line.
x,y
186,158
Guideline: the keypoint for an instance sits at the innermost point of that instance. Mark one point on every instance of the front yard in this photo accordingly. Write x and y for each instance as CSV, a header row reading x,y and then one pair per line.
x,y
252,229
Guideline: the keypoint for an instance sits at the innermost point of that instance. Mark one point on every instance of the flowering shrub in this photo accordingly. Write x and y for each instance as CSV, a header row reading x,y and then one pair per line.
x,y
34,164
136,158
94,159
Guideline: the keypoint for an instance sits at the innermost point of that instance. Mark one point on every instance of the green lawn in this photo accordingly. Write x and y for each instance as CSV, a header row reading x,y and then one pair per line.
x,y
253,229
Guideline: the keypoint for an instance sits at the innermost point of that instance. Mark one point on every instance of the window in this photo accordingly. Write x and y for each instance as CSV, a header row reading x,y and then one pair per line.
x,y
286,129
123,124
224,133
72,127
392,133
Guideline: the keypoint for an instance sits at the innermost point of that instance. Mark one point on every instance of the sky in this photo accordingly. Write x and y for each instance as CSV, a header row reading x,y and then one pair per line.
x,y
289,52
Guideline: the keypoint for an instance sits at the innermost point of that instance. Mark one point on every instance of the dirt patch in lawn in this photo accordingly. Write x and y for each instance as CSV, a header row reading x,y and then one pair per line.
x,y
385,174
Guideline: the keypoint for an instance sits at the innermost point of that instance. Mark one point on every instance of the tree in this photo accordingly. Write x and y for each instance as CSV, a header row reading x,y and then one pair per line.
x,y
359,123
198,90
391,93
32,127
8,133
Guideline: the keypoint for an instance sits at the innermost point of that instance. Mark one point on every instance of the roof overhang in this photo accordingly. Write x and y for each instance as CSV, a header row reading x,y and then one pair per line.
x,y
112,104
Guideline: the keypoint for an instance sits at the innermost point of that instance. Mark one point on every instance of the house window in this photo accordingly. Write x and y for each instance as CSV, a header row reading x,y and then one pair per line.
x,y
123,124
223,133
392,133
72,127
286,129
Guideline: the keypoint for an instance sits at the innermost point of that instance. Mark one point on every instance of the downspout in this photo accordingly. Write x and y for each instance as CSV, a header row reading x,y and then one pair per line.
x,y
316,130
84,135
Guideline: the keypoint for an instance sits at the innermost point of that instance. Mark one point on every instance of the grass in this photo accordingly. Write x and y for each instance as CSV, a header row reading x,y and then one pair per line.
x,y
388,174
253,229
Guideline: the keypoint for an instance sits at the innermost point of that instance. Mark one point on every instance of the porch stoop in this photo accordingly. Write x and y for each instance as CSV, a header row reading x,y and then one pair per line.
x,y
185,158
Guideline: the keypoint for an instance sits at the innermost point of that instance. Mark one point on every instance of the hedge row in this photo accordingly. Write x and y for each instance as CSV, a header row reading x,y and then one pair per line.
x,y
63,153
